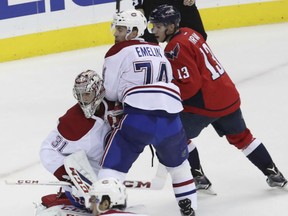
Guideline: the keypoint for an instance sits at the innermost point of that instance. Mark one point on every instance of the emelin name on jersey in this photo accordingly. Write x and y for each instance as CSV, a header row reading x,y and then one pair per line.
x,y
148,51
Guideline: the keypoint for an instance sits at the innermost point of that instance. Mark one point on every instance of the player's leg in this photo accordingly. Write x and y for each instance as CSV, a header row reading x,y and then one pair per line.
x,y
125,144
172,151
193,125
234,128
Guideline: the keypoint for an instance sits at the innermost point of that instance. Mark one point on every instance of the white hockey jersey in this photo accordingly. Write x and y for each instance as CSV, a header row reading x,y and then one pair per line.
x,y
137,73
74,132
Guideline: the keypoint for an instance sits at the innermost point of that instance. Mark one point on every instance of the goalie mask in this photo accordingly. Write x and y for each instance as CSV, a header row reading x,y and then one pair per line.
x,y
106,194
89,91
130,19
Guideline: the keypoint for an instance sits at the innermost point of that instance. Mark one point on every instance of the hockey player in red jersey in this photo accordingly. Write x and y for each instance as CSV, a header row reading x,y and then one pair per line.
x,y
209,96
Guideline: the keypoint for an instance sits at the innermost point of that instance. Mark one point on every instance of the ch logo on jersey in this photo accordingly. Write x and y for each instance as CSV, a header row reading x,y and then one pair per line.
x,y
173,53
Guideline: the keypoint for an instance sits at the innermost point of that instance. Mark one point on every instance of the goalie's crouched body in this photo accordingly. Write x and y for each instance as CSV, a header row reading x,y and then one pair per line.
x,y
84,127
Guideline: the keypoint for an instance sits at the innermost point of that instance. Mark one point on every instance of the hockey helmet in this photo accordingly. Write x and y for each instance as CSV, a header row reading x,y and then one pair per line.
x,y
109,189
130,19
165,14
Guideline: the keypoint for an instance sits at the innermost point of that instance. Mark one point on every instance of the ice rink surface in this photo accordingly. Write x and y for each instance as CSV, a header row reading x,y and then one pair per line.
x,y
36,91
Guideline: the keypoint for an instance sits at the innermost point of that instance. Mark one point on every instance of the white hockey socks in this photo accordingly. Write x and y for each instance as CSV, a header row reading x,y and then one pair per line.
x,y
183,183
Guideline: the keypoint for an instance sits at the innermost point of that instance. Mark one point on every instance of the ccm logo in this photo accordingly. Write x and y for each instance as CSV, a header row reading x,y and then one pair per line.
x,y
137,184
82,185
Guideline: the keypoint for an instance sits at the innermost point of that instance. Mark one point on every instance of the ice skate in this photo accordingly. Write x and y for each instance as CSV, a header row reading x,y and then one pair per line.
x,y
202,183
185,207
275,178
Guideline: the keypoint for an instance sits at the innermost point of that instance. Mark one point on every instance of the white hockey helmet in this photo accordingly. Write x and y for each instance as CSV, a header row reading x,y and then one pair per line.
x,y
89,91
130,19
109,189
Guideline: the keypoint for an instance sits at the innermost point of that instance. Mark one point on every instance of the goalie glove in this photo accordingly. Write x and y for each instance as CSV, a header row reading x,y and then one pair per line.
x,y
62,175
72,193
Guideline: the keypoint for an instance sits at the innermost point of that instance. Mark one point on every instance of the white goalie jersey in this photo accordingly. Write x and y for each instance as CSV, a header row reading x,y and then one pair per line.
x,y
74,132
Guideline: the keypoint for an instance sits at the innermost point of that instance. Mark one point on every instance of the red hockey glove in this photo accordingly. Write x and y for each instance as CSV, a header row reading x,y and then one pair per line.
x,y
62,175
114,116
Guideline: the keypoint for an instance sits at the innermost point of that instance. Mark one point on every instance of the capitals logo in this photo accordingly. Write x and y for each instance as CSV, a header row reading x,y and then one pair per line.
x,y
173,53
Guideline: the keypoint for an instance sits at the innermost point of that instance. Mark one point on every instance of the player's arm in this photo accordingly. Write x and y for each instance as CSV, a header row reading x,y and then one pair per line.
x,y
50,156
111,77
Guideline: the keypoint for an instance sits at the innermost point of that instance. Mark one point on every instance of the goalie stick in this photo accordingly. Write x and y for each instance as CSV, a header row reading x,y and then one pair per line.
x,y
155,184
82,175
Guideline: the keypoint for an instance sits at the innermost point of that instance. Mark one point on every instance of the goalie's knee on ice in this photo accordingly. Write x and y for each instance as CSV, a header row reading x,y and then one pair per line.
x,y
240,140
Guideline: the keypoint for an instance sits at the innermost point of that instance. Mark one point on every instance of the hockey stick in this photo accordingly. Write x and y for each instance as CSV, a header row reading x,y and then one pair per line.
x,y
118,6
157,183
132,184
37,182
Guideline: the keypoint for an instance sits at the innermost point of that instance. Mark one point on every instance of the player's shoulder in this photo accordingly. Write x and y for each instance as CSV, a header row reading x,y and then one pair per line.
x,y
116,48
73,124
185,35
185,41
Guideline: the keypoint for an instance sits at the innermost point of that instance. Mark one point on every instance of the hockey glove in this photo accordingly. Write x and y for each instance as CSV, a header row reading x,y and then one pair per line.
x,y
114,116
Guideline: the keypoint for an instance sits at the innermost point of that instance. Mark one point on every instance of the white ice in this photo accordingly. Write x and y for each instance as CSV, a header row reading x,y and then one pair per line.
x,y
36,91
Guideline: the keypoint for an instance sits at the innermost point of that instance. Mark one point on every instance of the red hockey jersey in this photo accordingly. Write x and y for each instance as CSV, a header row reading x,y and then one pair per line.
x,y
205,86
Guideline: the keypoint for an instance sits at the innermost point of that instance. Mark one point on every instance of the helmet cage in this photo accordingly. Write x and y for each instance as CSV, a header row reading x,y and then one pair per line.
x,y
89,91
130,19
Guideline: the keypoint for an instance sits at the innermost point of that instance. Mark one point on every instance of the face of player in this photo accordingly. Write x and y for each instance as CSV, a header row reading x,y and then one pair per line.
x,y
161,31
121,34
86,97
96,207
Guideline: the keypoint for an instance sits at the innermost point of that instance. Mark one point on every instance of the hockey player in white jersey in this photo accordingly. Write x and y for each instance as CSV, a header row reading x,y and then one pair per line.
x,y
83,127
72,152
137,74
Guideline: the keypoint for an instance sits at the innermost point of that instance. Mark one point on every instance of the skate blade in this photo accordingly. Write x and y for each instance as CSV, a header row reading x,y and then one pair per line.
x,y
208,191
